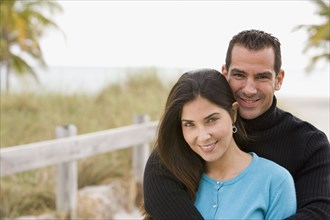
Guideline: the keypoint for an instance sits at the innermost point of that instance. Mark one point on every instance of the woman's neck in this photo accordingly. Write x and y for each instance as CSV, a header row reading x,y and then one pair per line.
x,y
232,163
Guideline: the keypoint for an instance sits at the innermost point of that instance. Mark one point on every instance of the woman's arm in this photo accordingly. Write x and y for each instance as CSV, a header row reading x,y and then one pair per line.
x,y
283,201
164,196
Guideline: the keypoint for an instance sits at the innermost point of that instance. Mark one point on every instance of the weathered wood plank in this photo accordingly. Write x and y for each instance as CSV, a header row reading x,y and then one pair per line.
x,y
41,154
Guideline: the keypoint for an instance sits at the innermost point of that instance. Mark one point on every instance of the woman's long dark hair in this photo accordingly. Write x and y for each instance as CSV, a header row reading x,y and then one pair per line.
x,y
174,152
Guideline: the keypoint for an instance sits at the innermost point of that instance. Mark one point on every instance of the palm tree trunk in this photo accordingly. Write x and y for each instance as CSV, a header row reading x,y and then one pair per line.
x,y
7,77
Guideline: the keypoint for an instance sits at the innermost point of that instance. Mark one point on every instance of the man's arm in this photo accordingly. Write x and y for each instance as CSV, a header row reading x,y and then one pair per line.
x,y
164,196
313,180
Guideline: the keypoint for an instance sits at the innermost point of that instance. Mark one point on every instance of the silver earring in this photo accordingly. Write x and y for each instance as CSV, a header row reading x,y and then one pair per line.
x,y
234,129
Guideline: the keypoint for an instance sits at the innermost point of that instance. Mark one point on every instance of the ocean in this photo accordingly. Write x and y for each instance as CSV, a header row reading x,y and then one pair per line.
x,y
306,95
66,79
90,80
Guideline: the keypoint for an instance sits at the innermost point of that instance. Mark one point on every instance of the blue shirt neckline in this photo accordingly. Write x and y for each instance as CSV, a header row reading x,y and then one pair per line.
x,y
236,178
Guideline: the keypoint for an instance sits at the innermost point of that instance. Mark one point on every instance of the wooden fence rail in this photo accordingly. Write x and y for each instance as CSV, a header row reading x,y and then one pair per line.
x,y
65,151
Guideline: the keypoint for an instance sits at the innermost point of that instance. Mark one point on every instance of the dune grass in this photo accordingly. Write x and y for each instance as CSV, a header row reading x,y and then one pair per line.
x,y
30,117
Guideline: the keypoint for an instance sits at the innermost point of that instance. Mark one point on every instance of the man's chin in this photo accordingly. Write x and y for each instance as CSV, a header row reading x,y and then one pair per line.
x,y
248,115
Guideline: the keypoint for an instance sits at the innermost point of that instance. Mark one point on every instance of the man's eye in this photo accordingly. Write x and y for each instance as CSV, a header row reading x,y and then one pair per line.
x,y
262,77
238,75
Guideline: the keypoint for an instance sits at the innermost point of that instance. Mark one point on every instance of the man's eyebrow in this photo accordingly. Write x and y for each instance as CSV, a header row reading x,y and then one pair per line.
x,y
266,73
237,70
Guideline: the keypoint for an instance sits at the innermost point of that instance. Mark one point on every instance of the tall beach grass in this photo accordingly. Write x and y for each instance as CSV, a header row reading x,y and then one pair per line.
x,y
31,117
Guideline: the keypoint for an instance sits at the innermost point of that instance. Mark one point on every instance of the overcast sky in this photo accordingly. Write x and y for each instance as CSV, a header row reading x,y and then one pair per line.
x,y
171,33
176,34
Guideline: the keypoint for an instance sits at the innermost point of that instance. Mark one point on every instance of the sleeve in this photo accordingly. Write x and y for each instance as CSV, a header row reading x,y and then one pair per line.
x,y
313,180
283,202
164,196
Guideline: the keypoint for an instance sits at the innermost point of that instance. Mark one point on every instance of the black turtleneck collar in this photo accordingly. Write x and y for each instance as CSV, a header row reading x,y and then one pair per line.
x,y
264,121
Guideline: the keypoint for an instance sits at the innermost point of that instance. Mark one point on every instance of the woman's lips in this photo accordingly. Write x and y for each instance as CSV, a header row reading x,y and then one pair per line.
x,y
208,147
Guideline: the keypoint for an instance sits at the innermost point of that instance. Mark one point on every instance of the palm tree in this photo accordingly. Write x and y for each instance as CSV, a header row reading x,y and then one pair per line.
x,y
23,23
319,35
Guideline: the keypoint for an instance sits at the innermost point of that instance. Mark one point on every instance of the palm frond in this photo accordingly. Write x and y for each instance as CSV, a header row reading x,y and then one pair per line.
x,y
318,34
23,24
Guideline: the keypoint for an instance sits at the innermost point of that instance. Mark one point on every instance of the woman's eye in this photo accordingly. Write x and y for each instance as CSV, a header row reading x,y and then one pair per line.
x,y
187,124
210,120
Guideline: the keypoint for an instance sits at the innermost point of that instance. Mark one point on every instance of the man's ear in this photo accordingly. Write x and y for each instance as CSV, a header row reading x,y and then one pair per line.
x,y
224,71
279,80
234,109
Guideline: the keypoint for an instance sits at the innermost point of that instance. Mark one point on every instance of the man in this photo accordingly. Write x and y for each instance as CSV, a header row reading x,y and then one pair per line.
x,y
253,70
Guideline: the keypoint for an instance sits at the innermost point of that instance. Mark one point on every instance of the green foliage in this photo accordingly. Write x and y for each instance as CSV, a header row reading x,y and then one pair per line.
x,y
23,23
318,35
27,118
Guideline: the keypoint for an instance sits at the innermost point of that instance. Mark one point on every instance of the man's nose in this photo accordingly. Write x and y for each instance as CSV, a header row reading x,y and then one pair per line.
x,y
249,88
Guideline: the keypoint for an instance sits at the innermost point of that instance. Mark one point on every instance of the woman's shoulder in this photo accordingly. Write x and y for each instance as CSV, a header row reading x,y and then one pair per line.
x,y
270,168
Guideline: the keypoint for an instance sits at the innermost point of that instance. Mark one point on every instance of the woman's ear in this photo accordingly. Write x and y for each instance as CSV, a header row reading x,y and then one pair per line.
x,y
234,109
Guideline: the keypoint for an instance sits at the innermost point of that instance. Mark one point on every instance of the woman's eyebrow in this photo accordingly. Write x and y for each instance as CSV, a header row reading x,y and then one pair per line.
x,y
207,117
211,115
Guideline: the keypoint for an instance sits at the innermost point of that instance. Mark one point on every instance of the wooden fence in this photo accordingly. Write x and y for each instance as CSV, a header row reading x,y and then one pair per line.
x,y
69,147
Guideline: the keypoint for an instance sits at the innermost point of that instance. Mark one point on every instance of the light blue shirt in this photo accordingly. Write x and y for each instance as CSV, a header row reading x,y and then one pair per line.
x,y
263,190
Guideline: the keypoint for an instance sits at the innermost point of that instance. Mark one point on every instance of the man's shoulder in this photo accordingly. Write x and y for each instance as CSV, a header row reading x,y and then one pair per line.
x,y
294,122
302,133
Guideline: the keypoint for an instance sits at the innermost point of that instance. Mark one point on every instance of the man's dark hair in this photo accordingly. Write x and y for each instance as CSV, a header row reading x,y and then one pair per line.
x,y
256,40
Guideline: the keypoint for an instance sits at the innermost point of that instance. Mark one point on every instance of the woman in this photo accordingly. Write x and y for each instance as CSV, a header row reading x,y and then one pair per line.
x,y
196,143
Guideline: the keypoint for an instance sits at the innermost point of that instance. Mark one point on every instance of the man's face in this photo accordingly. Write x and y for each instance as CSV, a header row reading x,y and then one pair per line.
x,y
253,80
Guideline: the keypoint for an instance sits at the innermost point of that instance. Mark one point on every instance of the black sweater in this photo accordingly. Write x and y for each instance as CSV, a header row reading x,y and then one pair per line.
x,y
279,136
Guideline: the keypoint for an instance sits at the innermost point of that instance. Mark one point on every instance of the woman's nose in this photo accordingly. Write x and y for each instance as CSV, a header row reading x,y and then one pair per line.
x,y
203,135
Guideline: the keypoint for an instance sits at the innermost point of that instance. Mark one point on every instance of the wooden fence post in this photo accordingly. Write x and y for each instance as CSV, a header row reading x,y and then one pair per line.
x,y
140,152
66,179
140,155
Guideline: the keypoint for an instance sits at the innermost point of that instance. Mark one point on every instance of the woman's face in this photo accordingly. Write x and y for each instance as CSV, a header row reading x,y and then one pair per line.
x,y
207,128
